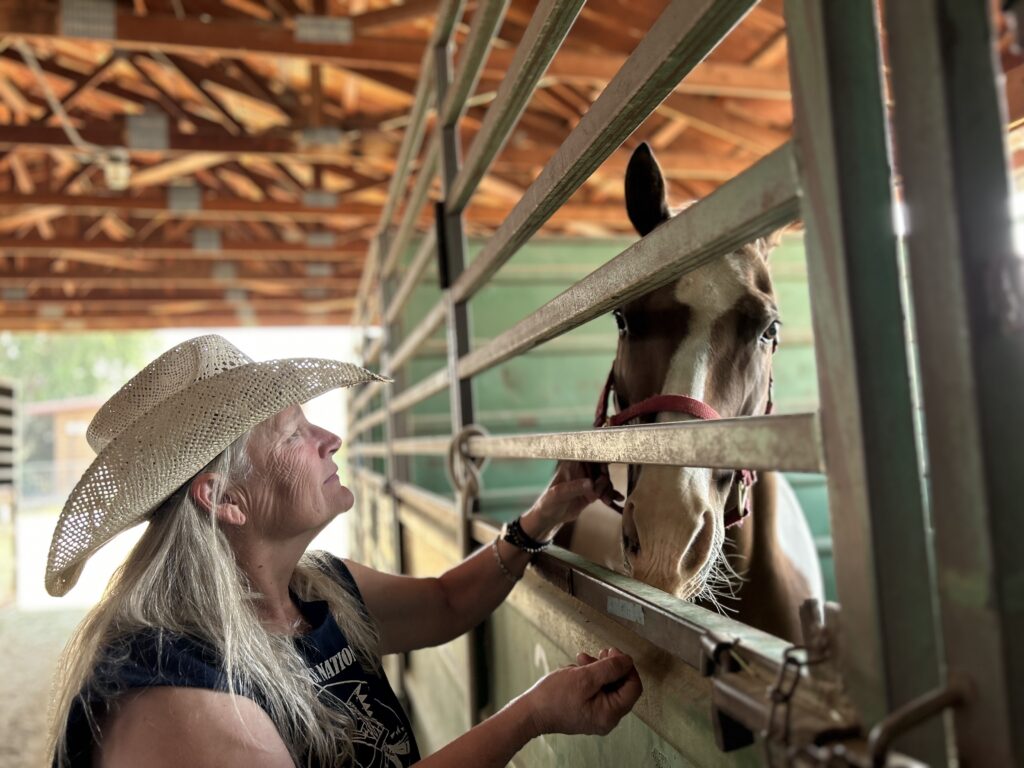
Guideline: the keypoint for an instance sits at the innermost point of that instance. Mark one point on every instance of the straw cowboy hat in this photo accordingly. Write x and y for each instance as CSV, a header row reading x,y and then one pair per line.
x,y
165,425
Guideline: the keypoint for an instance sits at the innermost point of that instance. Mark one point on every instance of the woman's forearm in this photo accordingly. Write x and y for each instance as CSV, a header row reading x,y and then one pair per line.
x,y
494,742
478,585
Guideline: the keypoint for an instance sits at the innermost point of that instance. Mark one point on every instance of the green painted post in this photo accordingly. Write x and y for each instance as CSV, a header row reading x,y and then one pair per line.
x,y
967,282
883,571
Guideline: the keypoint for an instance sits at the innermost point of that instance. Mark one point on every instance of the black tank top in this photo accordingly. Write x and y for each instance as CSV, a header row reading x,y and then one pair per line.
x,y
382,735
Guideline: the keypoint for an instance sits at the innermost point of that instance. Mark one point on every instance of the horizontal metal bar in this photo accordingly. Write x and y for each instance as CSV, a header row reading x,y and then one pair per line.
x,y
680,38
762,198
486,20
544,34
366,394
420,391
413,206
367,422
668,622
789,443
6,404
411,277
422,446
433,320
374,450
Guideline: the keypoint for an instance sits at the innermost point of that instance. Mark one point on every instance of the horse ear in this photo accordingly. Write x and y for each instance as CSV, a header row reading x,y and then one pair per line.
x,y
646,202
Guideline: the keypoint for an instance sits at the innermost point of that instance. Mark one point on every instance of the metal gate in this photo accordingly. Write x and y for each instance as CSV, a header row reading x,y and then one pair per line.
x,y
896,588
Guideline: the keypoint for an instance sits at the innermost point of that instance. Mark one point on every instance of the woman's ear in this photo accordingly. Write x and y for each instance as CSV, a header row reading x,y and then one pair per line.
x,y
203,491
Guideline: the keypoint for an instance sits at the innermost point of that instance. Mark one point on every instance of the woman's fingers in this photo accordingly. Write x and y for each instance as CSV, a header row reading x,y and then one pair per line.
x,y
609,669
570,489
584,658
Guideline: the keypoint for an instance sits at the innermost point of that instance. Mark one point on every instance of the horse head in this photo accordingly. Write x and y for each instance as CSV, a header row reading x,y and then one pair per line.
x,y
709,336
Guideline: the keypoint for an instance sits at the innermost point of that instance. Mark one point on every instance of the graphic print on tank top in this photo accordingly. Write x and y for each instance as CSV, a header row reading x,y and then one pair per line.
x,y
379,735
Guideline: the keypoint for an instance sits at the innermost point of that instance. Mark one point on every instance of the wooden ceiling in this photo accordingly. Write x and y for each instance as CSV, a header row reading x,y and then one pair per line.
x,y
258,161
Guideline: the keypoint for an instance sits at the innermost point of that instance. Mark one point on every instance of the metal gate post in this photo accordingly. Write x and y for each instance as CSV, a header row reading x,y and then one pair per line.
x,y
396,467
968,289
888,646
451,253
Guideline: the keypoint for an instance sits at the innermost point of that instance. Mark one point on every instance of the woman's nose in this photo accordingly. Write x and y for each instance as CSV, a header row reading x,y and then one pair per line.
x,y
329,442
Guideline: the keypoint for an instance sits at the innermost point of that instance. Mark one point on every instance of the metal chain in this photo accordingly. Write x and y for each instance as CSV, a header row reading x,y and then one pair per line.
x,y
780,694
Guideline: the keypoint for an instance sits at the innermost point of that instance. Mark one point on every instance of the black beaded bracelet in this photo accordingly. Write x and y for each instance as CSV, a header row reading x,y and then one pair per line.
x,y
514,534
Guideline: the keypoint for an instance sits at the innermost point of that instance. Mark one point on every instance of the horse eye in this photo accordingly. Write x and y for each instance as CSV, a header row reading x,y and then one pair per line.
x,y
771,333
620,320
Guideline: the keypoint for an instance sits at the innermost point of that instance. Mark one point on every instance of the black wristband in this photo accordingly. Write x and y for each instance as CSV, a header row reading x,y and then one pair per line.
x,y
514,534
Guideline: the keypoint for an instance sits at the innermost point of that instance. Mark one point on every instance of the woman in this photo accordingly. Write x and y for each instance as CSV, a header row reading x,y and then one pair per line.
x,y
221,641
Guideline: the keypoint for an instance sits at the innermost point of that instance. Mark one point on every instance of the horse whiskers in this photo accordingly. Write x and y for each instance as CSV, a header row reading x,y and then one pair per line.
x,y
717,579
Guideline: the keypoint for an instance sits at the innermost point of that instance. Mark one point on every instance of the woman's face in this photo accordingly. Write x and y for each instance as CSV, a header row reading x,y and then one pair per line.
x,y
294,486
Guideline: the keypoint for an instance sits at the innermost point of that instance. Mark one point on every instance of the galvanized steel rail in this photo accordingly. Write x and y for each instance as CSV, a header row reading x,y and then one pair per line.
x,y
681,37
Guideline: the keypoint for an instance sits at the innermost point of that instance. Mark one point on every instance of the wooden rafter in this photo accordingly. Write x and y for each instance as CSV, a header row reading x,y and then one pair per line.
x,y
242,95
175,169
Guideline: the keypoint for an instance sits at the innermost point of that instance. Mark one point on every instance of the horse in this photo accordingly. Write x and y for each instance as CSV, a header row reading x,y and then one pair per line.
x,y
709,337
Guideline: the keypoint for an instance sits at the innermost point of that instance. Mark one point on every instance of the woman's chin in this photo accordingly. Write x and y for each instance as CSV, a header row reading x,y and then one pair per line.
x,y
344,500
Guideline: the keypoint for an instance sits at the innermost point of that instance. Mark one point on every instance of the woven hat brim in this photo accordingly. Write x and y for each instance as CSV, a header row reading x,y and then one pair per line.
x,y
157,453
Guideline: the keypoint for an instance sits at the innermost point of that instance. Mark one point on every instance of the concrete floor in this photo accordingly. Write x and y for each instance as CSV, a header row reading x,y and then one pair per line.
x,y
30,642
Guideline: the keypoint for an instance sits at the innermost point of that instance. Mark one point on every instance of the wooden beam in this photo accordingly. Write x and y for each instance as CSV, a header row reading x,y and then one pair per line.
x,y
710,117
87,255
239,37
240,317
234,38
175,169
254,250
29,216
237,209
194,275
22,177
15,101
194,76
276,285
373,21
83,86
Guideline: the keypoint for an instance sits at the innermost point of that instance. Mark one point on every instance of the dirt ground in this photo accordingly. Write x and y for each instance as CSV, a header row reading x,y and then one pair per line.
x,y
30,642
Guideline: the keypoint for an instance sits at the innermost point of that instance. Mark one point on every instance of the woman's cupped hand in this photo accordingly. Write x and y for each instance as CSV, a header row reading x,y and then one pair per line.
x,y
571,489
590,697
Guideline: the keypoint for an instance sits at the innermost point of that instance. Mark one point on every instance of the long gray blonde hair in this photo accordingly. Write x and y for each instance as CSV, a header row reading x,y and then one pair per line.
x,y
182,578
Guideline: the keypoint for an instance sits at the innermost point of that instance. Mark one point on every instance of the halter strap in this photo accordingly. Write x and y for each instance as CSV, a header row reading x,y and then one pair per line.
x,y
683,404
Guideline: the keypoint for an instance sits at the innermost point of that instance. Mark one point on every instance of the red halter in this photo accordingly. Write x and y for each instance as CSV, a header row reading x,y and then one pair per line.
x,y
674,404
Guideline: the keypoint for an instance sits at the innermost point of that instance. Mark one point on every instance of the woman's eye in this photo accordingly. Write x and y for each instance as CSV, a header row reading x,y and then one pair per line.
x,y
771,333
620,321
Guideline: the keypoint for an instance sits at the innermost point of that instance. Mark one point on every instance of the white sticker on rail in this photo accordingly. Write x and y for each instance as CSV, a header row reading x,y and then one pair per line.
x,y
625,609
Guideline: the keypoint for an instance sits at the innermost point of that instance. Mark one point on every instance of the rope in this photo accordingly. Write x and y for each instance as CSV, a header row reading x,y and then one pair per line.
x,y
464,470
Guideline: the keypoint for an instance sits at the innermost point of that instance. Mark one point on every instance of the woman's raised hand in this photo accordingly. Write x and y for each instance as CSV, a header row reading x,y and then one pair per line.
x,y
570,490
589,697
